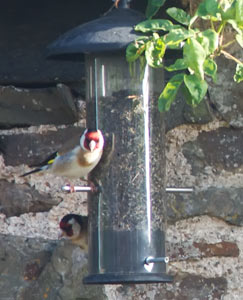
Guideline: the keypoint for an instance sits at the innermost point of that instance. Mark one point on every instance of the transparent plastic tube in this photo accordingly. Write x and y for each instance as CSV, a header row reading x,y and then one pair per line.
x,y
128,216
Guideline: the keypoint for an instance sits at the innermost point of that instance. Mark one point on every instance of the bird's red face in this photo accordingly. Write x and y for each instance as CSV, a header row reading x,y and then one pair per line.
x,y
92,140
66,228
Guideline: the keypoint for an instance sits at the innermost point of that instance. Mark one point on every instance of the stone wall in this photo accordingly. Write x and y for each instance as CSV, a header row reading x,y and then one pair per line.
x,y
204,150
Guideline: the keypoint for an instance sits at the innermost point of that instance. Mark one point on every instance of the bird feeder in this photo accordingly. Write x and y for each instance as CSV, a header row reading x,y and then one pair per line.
x,y
127,216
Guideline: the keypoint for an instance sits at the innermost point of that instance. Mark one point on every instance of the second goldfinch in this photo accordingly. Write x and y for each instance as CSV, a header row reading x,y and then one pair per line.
x,y
75,228
78,161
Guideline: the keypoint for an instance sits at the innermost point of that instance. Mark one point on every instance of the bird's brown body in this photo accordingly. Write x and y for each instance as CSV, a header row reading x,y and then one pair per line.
x,y
77,161
81,240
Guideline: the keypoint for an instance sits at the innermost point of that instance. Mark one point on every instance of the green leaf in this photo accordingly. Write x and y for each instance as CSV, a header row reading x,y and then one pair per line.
x,y
155,25
194,56
239,35
131,53
135,49
197,88
239,38
188,97
177,46
212,7
229,12
208,8
235,26
179,15
202,10
152,7
193,19
176,36
169,93
238,77
208,40
210,68
179,64
239,11
155,50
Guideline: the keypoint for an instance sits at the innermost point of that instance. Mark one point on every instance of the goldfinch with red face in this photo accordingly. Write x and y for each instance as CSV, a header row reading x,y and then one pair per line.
x,y
75,228
78,161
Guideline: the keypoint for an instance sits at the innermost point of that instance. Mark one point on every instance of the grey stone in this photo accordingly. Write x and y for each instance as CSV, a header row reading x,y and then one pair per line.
x,y
174,117
39,269
182,113
190,250
223,203
226,95
220,149
62,277
193,286
16,199
33,148
21,263
195,156
200,114
33,268
21,107
184,287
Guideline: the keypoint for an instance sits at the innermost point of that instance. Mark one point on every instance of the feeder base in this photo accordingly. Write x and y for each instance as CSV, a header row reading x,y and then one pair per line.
x,y
115,278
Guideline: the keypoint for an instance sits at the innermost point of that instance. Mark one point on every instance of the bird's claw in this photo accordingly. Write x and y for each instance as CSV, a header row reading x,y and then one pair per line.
x,y
71,188
90,188
94,188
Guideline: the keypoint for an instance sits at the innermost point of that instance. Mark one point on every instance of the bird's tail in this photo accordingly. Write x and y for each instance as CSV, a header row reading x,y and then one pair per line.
x,y
34,171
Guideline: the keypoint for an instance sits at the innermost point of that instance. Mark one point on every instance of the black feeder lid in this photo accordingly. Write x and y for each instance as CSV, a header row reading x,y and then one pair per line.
x,y
113,31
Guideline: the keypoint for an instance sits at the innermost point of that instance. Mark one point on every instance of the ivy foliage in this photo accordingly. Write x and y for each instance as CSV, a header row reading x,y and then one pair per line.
x,y
199,48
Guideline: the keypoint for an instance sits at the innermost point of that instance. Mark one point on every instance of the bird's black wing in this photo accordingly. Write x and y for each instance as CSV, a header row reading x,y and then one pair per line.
x,y
43,165
48,161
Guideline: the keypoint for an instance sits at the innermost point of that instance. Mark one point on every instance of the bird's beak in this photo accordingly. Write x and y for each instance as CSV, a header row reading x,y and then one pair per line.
x,y
92,145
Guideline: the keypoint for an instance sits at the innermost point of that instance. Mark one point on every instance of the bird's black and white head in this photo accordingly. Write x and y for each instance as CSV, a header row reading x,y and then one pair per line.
x,y
92,140
72,226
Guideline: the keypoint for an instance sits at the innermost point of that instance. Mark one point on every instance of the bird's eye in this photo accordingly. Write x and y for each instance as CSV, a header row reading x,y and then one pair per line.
x,y
86,143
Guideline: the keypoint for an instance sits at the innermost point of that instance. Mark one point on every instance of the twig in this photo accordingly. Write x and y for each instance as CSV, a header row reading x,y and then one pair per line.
x,y
229,56
228,44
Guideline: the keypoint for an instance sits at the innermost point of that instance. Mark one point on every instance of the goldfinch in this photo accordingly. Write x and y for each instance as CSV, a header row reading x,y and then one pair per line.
x,y
76,162
75,228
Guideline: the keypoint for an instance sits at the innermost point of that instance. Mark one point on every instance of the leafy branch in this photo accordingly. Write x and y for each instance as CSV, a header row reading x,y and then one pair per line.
x,y
199,48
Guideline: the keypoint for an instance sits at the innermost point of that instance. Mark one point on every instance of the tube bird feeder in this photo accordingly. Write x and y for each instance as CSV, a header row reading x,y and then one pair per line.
x,y
127,216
